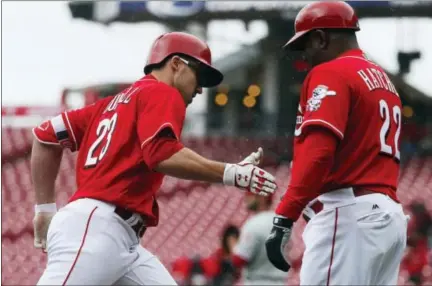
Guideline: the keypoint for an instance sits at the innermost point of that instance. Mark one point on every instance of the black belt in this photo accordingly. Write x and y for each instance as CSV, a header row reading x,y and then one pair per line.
x,y
139,227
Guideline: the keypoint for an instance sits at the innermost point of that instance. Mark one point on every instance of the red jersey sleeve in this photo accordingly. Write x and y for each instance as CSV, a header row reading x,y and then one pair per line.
x,y
66,129
159,109
325,101
313,159
159,149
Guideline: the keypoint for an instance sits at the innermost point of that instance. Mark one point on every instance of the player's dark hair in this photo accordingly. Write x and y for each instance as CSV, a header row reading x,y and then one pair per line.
x,y
342,31
348,34
343,39
158,66
230,230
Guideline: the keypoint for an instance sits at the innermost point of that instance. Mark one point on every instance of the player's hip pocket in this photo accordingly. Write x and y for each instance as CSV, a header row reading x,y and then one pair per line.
x,y
374,214
375,220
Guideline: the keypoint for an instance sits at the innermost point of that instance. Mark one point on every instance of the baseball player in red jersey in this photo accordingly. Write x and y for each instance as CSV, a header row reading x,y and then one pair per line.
x,y
126,144
346,159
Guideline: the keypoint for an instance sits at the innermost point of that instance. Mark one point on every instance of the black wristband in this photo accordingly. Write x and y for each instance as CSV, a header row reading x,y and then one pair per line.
x,y
282,222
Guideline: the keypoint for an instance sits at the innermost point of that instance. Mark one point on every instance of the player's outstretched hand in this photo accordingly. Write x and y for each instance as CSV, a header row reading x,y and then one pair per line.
x,y
254,158
41,222
246,175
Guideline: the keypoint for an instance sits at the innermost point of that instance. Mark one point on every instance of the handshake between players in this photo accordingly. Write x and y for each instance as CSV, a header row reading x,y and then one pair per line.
x,y
246,175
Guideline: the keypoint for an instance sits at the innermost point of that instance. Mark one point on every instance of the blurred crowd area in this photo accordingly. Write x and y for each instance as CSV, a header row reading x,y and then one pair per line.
x,y
417,260
216,269
200,223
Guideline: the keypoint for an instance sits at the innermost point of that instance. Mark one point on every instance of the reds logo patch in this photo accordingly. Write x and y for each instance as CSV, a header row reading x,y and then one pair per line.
x,y
318,94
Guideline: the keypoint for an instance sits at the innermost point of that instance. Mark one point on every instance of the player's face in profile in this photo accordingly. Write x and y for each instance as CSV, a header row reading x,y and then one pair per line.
x,y
186,79
314,44
231,242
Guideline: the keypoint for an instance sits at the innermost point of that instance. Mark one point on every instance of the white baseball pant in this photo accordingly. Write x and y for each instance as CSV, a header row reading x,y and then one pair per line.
x,y
88,244
354,241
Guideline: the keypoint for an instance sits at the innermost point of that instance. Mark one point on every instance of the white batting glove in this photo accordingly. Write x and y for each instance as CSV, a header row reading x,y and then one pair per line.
x,y
246,175
41,221
254,158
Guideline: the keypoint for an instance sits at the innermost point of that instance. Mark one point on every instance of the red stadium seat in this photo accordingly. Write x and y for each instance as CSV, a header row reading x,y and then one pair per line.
x,y
193,214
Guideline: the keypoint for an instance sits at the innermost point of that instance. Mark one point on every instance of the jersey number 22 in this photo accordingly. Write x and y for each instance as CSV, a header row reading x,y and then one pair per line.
x,y
390,118
105,129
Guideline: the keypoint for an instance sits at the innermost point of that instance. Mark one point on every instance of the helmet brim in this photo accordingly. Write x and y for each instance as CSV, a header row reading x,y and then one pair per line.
x,y
295,43
209,76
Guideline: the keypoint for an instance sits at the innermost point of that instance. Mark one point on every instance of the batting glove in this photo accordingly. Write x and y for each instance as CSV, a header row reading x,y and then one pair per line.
x,y
277,240
246,175
41,221
254,158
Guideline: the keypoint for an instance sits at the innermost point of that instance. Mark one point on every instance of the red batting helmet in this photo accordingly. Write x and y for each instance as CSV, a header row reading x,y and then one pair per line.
x,y
323,15
178,43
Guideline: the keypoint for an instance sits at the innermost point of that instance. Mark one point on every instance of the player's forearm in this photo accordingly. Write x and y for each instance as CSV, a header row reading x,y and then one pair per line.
x,y
45,164
186,164
315,159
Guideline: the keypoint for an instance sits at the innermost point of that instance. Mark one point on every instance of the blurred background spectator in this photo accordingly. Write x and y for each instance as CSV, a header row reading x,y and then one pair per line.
x,y
215,269
250,255
417,258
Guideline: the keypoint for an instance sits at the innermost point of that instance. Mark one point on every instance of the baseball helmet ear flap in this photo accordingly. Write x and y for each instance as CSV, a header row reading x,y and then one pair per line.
x,y
322,15
178,43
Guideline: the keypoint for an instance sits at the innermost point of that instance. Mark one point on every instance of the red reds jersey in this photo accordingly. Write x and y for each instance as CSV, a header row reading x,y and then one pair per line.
x,y
355,99
109,136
